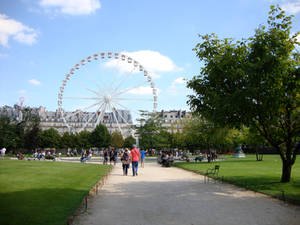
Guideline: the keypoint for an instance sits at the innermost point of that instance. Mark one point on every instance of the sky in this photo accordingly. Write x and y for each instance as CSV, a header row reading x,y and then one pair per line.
x,y
41,40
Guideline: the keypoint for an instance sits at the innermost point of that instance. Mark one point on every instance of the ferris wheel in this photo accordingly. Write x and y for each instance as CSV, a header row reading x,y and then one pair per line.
x,y
105,88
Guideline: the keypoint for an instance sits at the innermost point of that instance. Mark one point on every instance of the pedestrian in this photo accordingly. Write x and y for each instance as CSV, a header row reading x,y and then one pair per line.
x,y
143,155
135,157
111,155
3,150
105,156
125,161
115,156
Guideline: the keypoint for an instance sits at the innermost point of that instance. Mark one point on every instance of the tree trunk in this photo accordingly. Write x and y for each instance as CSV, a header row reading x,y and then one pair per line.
x,y
286,171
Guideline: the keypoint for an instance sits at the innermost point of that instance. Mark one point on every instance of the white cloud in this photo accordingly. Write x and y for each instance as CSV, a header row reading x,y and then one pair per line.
x,y
3,55
179,80
143,90
153,61
71,7
22,92
292,7
298,38
10,28
34,82
178,86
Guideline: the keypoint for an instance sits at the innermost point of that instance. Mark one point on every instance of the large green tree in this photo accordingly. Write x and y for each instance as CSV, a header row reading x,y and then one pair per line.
x,y
83,139
254,82
151,133
117,140
100,136
50,138
9,131
129,142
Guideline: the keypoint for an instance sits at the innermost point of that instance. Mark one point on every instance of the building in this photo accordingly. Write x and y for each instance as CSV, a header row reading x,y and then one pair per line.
x,y
173,120
74,121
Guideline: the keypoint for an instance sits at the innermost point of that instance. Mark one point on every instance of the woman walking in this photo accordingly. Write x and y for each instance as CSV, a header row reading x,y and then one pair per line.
x,y
105,156
125,161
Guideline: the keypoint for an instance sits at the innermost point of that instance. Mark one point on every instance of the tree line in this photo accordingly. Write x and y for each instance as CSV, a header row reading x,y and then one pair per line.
x,y
195,134
26,136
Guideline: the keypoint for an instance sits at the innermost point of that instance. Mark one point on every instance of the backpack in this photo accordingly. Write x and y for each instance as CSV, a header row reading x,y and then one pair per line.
x,y
125,156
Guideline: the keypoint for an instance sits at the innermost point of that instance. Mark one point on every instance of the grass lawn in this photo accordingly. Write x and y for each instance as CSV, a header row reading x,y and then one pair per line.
x,y
262,176
34,192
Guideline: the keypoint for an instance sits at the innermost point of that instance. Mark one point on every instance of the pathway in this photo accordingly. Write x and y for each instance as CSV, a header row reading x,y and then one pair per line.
x,y
165,196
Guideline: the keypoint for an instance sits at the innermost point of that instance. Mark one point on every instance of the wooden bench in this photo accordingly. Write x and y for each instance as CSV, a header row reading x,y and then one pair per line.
x,y
211,171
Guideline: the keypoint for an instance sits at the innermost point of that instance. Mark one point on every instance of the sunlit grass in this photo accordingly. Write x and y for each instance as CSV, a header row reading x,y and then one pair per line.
x,y
33,192
262,176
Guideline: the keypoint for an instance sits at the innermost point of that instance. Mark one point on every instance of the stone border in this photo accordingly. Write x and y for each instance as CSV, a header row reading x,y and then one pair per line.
x,y
93,192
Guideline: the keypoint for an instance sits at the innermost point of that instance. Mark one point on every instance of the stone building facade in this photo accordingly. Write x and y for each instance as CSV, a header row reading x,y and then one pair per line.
x,y
76,121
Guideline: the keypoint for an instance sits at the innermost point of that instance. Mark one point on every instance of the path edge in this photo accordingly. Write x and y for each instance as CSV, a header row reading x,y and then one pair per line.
x,y
92,193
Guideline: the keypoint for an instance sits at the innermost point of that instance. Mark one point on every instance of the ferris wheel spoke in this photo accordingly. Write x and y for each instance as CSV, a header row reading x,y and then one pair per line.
x,y
123,81
82,98
82,110
134,99
125,121
93,115
100,117
113,111
132,88
83,86
93,80
115,75
124,107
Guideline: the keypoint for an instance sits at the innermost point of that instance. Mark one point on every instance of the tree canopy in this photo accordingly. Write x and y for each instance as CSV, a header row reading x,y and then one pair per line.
x,y
100,136
117,140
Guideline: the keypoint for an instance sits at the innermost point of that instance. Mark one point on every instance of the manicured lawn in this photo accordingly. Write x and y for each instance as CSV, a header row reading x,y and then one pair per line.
x,y
33,192
262,176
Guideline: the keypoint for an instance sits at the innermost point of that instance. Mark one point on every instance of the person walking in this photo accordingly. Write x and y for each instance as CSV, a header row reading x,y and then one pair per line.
x,y
135,157
143,155
105,156
111,155
125,161
115,156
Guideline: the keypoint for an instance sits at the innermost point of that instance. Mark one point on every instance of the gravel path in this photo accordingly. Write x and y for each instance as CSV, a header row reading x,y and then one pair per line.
x,y
173,196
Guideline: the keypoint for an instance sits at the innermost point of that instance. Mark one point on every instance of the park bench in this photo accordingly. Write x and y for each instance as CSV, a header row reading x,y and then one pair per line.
x,y
211,171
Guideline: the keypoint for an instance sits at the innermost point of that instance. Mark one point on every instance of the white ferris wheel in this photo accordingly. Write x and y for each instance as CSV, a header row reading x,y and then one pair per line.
x,y
105,88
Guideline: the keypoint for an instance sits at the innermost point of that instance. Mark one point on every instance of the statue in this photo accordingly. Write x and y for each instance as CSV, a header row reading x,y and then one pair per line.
x,y
239,152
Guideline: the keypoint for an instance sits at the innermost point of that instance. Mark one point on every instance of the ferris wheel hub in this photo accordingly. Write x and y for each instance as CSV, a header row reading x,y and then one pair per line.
x,y
107,98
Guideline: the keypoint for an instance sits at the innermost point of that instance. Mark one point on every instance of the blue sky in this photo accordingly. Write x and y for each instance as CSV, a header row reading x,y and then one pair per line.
x,y
41,40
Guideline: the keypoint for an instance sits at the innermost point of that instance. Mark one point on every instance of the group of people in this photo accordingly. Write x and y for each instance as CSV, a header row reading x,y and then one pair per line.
x,y
85,155
132,157
111,155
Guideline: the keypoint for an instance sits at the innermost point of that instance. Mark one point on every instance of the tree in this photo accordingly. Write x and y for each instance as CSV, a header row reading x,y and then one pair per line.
x,y
83,139
31,123
50,138
129,142
32,137
66,140
8,133
255,83
117,140
100,137
152,134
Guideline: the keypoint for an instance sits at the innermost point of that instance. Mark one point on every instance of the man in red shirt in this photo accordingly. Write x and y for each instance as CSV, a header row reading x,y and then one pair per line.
x,y
135,157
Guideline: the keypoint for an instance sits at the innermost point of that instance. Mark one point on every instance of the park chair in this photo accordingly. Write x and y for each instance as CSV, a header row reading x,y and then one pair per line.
x,y
212,171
